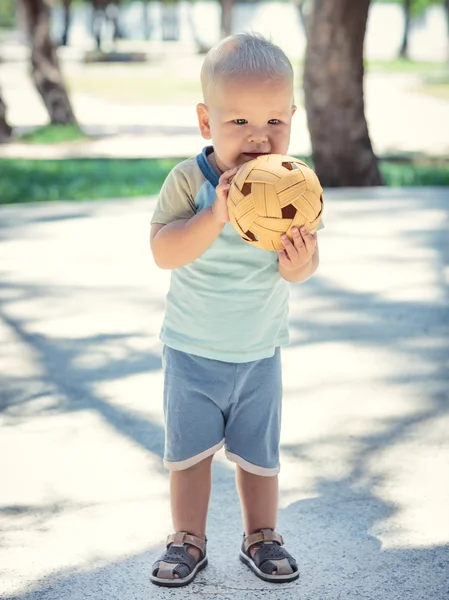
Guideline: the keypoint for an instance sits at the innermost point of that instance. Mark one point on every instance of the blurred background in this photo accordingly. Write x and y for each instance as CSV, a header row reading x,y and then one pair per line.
x,y
97,99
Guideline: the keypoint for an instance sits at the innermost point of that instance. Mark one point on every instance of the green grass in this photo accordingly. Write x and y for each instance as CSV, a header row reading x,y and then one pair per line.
x,y
53,134
404,174
83,179
89,179
401,65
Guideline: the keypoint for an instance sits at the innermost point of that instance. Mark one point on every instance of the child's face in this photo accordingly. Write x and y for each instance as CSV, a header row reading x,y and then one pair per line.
x,y
245,119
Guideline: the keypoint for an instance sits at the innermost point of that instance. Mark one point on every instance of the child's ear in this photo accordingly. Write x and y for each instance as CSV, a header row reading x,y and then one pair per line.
x,y
294,107
203,121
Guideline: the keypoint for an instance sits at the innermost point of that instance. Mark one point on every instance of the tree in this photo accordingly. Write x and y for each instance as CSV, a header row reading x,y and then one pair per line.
x,y
403,51
5,128
333,86
446,6
103,11
170,20
226,17
45,69
413,9
67,11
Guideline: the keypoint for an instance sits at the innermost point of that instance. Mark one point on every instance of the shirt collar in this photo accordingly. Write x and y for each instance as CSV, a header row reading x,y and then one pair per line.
x,y
206,167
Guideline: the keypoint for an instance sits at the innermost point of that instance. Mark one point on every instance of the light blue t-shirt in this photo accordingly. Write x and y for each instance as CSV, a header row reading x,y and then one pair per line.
x,y
231,303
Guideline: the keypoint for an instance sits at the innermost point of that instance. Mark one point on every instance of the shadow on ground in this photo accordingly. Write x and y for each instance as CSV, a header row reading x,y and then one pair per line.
x,y
333,532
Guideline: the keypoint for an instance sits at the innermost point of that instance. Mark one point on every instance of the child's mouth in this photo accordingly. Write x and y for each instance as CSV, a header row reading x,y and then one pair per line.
x,y
255,154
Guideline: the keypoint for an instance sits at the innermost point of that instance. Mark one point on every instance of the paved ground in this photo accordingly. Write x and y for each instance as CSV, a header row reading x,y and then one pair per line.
x,y
365,451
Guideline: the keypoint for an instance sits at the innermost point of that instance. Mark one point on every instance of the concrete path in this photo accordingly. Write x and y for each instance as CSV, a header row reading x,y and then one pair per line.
x,y
365,451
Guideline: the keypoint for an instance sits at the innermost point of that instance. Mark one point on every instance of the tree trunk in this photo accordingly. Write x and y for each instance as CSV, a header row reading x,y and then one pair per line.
x,y
333,86
67,5
146,21
45,71
403,52
5,129
170,21
226,17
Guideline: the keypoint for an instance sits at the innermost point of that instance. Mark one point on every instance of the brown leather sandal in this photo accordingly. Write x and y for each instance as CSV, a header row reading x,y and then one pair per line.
x,y
271,562
177,561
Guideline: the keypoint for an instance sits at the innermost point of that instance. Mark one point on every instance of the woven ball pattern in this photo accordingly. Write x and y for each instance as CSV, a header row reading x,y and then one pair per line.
x,y
271,194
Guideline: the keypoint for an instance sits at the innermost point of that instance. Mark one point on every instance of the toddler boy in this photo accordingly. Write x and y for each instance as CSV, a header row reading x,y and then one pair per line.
x,y
226,314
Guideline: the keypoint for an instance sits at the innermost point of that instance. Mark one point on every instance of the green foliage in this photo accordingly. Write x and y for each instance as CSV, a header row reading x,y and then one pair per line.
x,y
7,13
52,134
89,179
399,174
418,7
402,65
80,179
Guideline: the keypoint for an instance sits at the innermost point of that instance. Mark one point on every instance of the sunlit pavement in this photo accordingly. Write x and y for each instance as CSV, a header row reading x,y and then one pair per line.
x,y
365,452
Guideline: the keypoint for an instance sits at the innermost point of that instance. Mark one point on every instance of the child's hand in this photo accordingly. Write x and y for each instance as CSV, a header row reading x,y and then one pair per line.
x,y
297,254
220,207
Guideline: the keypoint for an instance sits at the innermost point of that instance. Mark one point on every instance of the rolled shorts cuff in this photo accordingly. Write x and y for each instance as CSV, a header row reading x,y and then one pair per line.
x,y
181,465
250,467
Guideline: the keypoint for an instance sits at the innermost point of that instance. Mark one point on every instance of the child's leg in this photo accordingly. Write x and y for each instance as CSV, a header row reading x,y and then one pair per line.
x,y
252,440
194,390
259,500
189,495
194,428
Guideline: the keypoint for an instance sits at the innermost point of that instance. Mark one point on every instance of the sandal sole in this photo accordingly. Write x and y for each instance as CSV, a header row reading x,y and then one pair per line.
x,y
180,582
270,578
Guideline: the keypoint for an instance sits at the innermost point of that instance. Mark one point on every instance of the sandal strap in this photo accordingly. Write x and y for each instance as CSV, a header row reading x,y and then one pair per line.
x,y
271,552
166,570
180,538
264,535
176,559
283,567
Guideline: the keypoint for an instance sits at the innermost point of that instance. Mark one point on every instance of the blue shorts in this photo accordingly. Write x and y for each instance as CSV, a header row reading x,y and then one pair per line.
x,y
209,403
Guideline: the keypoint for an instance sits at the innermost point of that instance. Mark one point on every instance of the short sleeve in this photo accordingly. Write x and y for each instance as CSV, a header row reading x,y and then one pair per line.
x,y
175,199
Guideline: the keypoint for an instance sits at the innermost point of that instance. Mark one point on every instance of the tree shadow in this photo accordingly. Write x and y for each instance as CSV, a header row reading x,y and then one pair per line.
x,y
336,532
375,319
17,217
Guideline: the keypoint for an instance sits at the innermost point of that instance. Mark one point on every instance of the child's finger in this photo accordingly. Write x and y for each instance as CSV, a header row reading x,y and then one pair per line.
x,y
283,258
289,247
310,242
298,239
227,175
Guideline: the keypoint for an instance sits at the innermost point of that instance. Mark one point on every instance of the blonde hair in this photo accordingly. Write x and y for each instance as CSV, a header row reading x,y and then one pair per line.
x,y
243,56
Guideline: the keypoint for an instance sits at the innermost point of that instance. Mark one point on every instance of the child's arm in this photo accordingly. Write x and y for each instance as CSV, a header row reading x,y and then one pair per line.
x,y
300,259
181,242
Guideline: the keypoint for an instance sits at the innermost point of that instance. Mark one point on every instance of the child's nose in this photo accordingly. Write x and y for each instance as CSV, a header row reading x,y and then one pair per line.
x,y
258,136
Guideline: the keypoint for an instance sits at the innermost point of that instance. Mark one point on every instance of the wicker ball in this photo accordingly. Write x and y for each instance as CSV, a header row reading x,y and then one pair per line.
x,y
271,194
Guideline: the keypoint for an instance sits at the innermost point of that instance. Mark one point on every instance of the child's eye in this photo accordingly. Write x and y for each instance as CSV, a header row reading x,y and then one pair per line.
x,y
273,122
240,121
